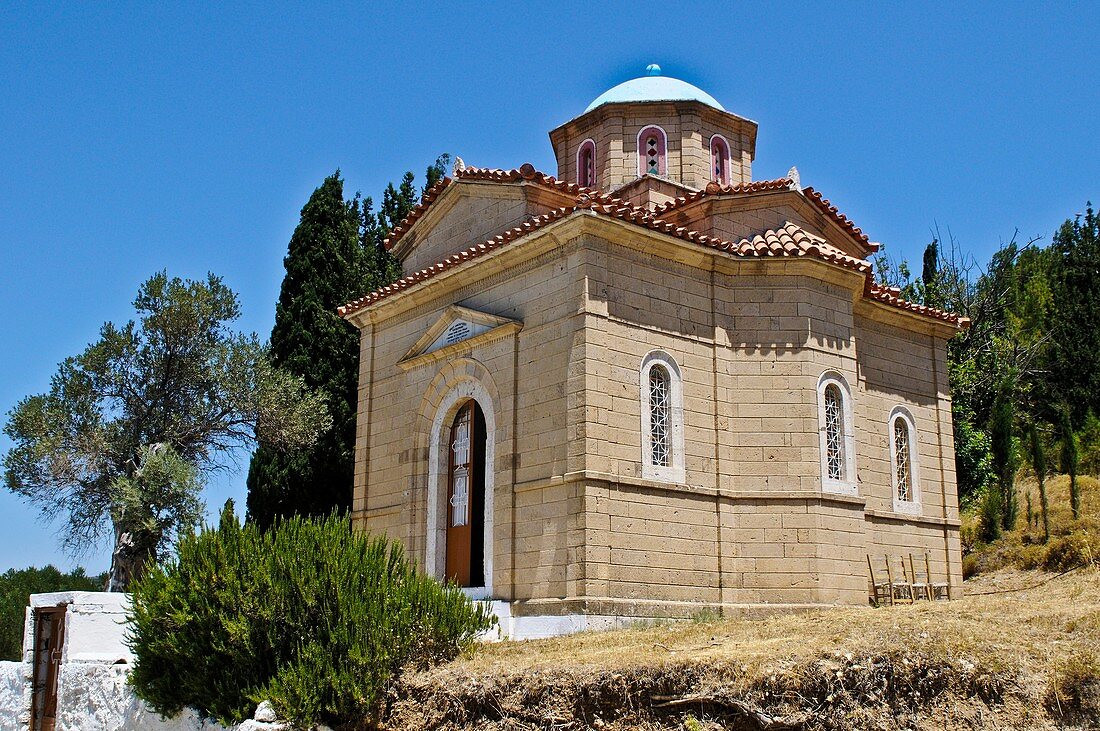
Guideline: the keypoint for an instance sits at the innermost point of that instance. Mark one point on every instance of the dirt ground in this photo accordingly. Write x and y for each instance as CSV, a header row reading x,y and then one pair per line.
x,y
1020,650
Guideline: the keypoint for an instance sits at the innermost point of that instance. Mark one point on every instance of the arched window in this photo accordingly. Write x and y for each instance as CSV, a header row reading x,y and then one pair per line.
x,y
903,476
652,144
837,437
903,461
586,164
662,408
720,159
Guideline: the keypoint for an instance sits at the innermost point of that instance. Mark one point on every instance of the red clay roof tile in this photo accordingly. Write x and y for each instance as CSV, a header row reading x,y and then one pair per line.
x,y
788,240
526,172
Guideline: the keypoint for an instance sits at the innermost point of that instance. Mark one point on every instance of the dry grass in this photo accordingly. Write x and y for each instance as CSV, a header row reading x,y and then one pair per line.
x,y
1021,649
1072,542
1011,651
1013,628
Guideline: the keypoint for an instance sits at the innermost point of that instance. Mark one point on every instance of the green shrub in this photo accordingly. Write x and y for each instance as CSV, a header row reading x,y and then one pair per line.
x,y
312,615
970,565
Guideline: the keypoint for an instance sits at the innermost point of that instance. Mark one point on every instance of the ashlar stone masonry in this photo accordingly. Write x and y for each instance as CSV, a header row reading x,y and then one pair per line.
x,y
650,385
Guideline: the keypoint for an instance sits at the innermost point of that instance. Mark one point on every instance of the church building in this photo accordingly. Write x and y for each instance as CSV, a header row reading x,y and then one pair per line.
x,y
650,385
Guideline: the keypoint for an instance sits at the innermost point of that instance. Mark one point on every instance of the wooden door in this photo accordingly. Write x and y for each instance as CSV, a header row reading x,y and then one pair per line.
x,y
49,637
464,485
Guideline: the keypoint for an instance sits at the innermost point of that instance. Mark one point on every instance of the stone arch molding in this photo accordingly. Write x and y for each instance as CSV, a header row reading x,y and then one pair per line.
x,y
457,382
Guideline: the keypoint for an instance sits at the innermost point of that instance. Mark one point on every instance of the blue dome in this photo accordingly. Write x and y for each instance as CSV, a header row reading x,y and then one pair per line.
x,y
654,88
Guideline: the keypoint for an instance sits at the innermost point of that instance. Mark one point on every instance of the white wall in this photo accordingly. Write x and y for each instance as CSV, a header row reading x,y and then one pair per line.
x,y
92,694
13,686
94,697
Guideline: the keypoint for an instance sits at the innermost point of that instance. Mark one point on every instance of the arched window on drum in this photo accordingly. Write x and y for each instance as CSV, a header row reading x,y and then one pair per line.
x,y
586,164
652,151
720,160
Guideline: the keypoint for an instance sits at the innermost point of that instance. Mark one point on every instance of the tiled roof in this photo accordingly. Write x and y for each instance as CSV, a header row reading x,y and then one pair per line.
x,y
761,186
830,210
788,240
526,172
713,188
892,296
791,240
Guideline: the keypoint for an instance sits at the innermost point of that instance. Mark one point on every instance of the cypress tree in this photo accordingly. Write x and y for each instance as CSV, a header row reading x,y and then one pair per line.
x,y
436,171
335,255
1075,331
1004,455
1039,464
930,275
1070,462
326,266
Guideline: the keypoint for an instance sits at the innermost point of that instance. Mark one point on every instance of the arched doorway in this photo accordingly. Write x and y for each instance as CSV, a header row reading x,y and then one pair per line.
x,y
465,506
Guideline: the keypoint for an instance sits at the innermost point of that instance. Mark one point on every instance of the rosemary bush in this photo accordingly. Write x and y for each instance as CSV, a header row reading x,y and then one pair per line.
x,y
312,615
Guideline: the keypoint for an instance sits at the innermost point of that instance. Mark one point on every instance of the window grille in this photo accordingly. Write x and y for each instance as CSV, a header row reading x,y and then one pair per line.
x,y
834,432
659,416
902,461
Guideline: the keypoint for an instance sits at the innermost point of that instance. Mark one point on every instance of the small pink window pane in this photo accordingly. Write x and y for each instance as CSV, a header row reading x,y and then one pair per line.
x,y
720,160
652,152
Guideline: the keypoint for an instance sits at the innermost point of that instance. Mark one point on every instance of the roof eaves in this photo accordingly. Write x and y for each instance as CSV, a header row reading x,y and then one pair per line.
x,y
892,296
788,240
525,172
845,223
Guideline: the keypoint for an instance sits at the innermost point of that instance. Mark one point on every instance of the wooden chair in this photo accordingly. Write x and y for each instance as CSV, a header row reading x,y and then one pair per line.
x,y
880,591
921,589
902,591
937,590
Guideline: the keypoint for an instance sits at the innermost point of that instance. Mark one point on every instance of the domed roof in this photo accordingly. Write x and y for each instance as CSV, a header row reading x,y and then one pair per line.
x,y
653,87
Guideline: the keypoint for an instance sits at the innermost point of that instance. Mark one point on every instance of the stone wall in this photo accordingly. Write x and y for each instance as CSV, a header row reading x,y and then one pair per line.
x,y
399,406
688,127
579,527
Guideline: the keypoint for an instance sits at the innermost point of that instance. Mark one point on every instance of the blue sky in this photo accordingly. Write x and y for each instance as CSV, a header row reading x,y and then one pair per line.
x,y
139,137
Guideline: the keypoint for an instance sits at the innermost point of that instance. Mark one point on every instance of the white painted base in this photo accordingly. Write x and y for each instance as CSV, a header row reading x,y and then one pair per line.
x,y
540,626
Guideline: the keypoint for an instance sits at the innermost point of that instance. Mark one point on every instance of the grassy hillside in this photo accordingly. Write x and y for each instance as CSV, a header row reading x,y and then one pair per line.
x,y
1021,649
1072,542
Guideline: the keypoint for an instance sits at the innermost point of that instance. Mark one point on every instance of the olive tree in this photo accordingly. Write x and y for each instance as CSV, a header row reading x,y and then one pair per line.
x,y
122,441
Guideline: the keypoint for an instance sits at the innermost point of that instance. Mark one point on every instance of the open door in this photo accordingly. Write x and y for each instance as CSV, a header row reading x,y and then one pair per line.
x,y
49,638
465,557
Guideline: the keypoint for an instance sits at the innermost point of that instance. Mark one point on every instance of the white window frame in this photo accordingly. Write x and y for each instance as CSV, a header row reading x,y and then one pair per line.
x,y
675,470
848,484
907,507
